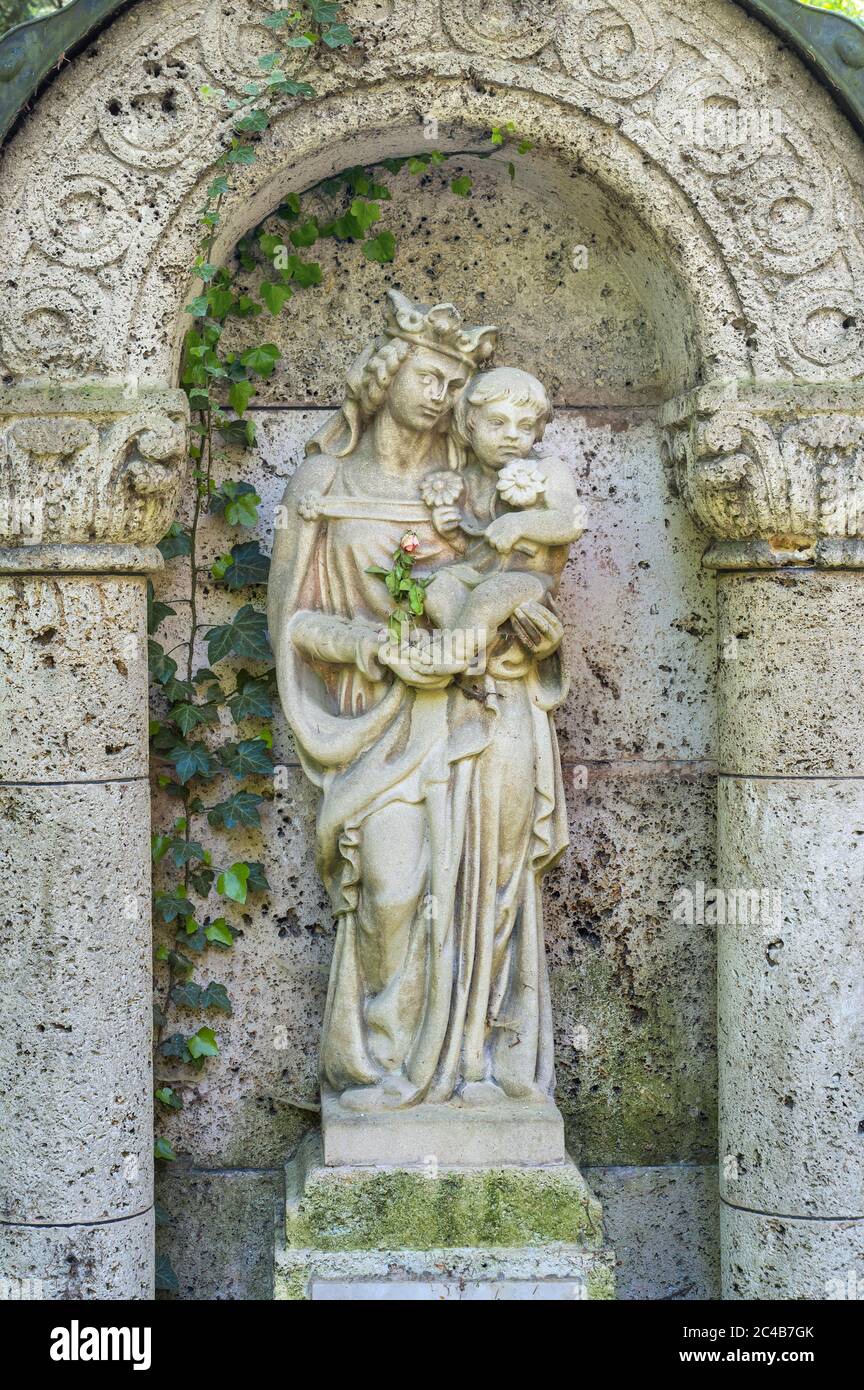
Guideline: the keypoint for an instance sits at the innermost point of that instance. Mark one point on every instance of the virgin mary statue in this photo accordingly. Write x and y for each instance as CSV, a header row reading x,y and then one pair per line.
x,y
441,800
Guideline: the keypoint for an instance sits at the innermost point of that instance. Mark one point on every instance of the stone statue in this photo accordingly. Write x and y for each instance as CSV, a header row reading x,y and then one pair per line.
x,y
432,743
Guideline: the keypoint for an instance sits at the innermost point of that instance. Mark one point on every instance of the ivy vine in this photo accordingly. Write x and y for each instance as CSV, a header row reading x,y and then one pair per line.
x,y
211,741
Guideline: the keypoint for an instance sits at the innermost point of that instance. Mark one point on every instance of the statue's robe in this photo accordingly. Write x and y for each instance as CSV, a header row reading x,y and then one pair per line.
x,y
465,993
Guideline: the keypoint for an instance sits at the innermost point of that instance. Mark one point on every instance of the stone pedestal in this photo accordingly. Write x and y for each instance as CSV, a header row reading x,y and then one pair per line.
x,y
430,1231
89,485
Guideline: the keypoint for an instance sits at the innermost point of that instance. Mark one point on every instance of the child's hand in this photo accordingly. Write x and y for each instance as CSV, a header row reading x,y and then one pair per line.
x,y
504,532
446,520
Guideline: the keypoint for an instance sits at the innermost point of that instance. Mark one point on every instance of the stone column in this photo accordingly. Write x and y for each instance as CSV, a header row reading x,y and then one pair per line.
x,y
778,475
89,480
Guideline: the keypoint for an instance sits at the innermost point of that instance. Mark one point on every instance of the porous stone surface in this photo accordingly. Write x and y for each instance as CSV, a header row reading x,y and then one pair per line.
x,y
73,655
779,1258
789,701
111,1260
559,1272
598,313
75,977
424,1206
792,1080
217,1229
663,1224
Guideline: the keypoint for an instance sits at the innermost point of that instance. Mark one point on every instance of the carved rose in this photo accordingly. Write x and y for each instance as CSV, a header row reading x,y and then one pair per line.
x,y
520,484
441,489
308,506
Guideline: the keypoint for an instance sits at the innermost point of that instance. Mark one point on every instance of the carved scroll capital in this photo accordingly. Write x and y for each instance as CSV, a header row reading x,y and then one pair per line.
x,y
90,477
774,471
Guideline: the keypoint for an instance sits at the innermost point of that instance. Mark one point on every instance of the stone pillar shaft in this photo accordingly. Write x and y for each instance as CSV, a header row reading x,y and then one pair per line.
x,y
791,986
81,495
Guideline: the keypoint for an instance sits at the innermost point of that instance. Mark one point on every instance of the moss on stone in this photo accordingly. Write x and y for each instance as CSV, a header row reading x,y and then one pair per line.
x,y
392,1209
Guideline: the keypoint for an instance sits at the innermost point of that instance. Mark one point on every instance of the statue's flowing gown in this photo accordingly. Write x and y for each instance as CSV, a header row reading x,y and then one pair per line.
x,y
468,793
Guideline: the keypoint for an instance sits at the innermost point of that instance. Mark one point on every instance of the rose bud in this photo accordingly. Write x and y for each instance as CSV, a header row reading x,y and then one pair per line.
x,y
410,543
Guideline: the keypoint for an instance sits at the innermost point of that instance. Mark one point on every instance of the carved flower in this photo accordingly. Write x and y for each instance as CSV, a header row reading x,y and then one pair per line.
x,y
441,489
520,484
410,543
308,506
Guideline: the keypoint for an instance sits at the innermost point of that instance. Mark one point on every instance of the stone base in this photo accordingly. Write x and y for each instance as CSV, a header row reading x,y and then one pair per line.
x,y
437,1231
454,1134
560,1273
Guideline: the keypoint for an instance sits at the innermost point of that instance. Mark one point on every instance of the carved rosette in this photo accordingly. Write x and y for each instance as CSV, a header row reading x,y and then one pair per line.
x,y
89,479
774,472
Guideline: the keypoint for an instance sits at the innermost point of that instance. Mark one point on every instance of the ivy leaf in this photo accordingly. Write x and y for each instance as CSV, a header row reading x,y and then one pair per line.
x,y
159,846
244,636
239,809
201,880
338,36
237,502
257,882
248,565
219,933
203,1044
176,541
215,996
162,1149
232,882
186,995
175,1046
275,295
240,395
166,1278
187,716
240,432
303,273
192,760
462,186
364,214
255,121
169,1097
249,758
251,699
306,234
381,248
219,300
186,852
261,359
170,906
241,154
157,611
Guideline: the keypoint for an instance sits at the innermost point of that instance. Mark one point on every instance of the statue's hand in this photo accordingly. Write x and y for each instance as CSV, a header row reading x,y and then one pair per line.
x,y
504,532
446,520
411,669
539,631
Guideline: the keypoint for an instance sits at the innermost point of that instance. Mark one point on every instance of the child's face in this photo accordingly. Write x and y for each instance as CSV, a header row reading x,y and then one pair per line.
x,y
502,431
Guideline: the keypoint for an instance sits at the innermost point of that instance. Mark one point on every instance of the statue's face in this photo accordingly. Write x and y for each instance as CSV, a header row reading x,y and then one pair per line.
x,y
502,431
425,388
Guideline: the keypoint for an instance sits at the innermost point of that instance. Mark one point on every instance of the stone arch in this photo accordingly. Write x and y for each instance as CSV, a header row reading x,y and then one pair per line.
x,y
747,177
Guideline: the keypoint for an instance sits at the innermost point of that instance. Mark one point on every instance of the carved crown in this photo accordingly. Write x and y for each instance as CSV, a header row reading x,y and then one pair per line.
x,y
440,328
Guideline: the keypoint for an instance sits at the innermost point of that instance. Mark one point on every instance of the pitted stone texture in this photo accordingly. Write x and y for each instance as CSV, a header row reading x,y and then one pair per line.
x,y
632,96
663,1224
792,1079
219,1232
73,678
82,1263
75,984
585,299
633,986
791,650
777,1257
425,1206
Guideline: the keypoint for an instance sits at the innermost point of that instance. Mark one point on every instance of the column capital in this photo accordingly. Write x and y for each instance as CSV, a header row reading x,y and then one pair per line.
x,y
773,470
90,476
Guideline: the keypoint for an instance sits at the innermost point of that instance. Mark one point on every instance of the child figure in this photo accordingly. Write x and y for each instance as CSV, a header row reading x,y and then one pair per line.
x,y
514,556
